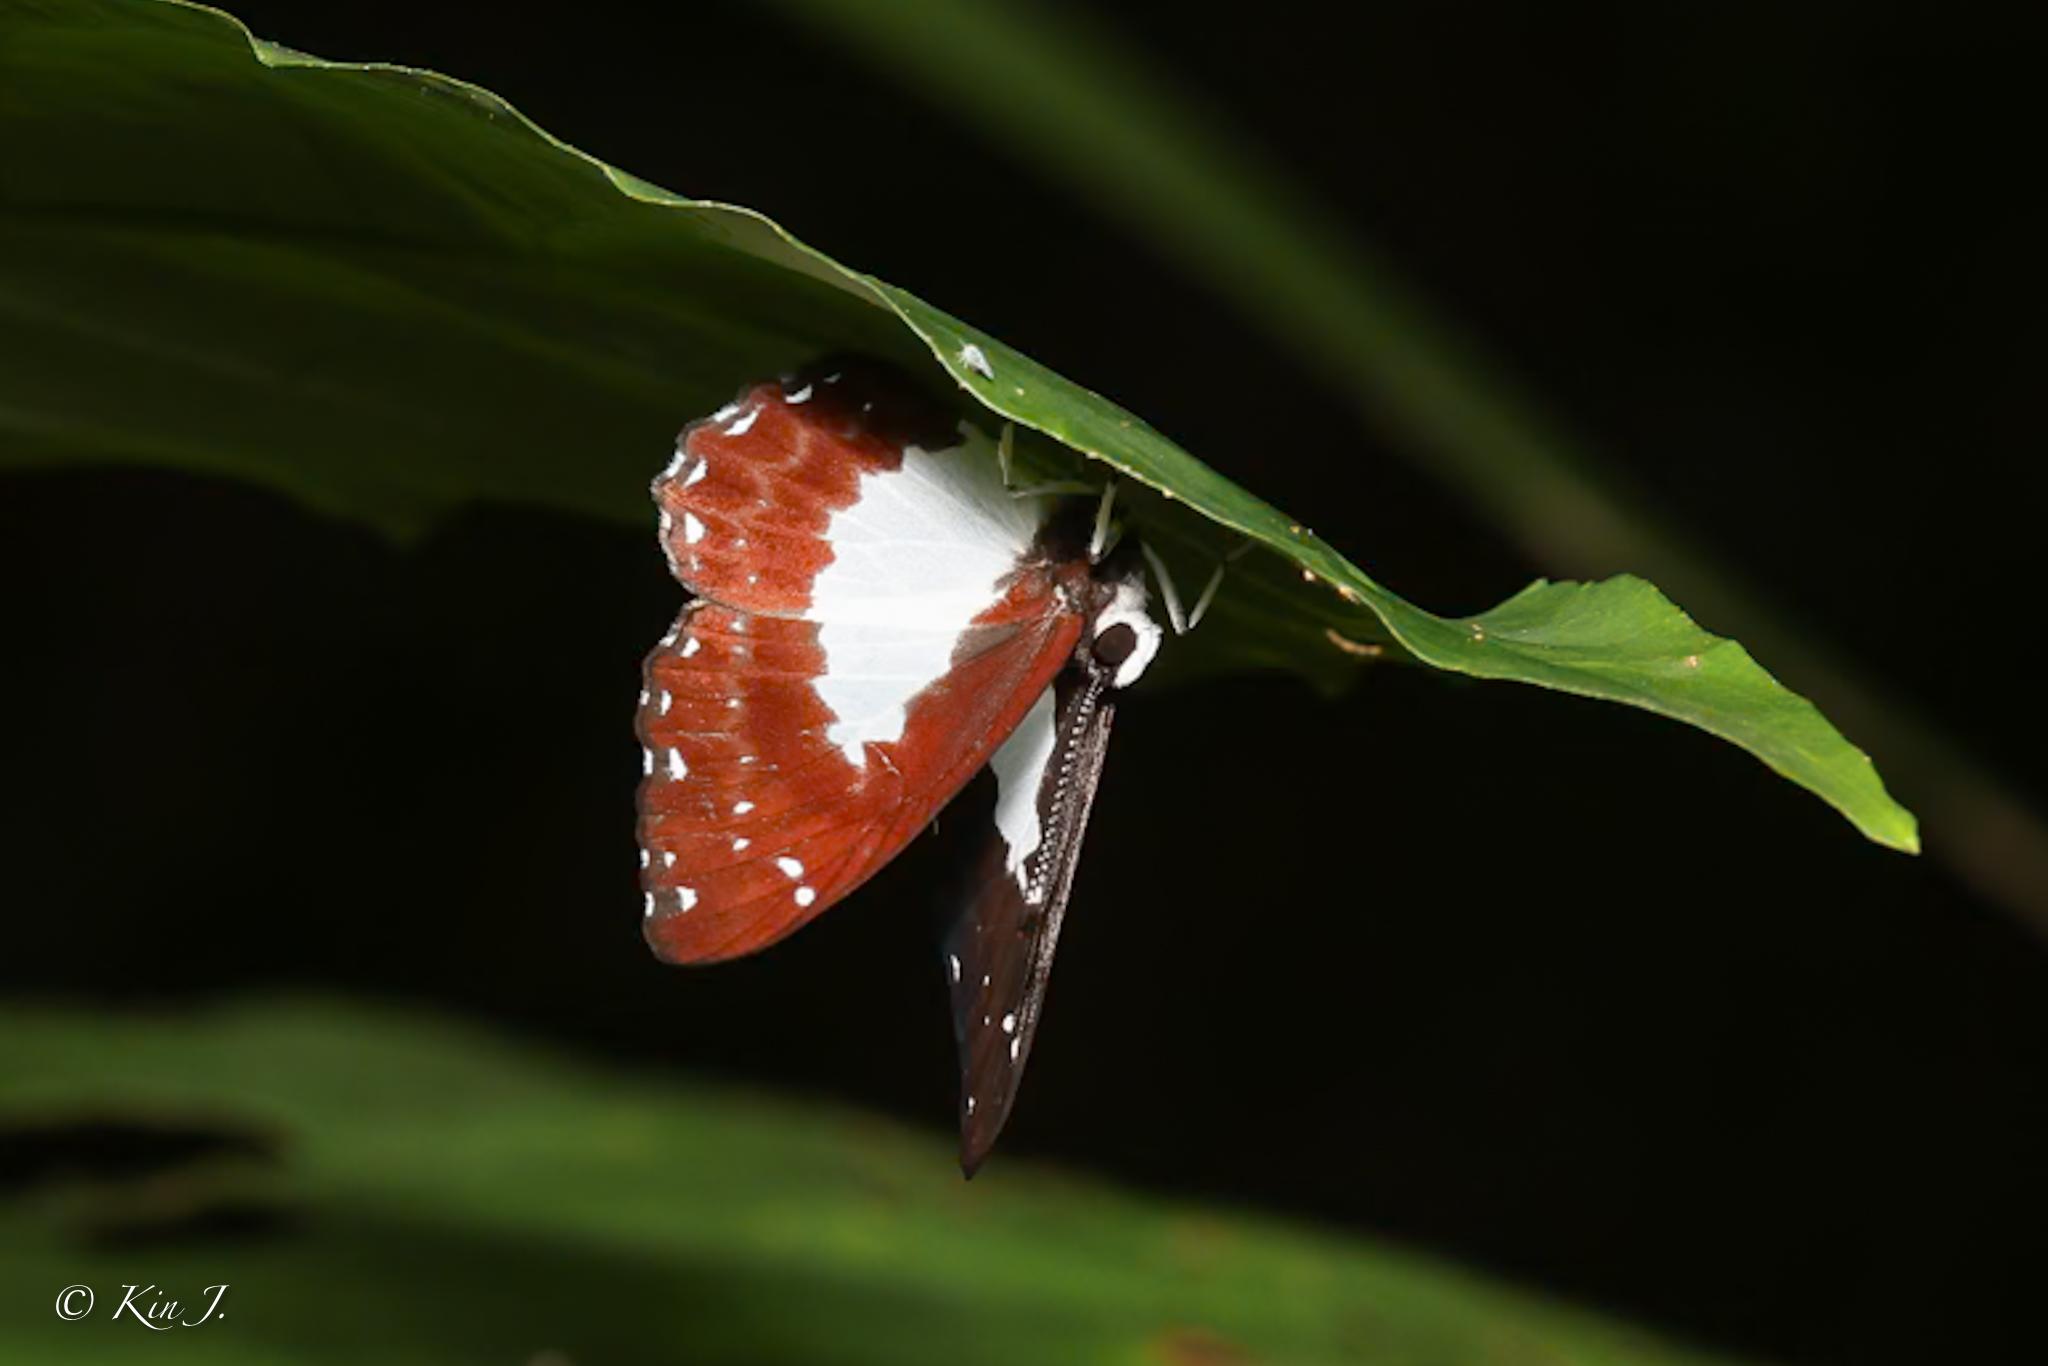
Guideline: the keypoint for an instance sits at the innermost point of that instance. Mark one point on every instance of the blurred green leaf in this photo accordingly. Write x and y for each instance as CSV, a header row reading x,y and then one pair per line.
x,y
384,292
443,1198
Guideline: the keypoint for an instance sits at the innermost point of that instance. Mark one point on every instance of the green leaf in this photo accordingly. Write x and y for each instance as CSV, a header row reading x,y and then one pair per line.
x,y
414,1192
384,292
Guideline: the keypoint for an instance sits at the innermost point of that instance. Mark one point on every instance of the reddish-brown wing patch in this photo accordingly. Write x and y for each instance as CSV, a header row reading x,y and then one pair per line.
x,y
752,820
747,501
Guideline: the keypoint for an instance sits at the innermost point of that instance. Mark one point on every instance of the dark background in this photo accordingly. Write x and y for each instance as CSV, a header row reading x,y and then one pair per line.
x,y
1552,988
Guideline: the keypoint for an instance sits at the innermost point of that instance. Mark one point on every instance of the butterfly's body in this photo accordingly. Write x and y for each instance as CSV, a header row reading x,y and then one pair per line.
x,y
879,617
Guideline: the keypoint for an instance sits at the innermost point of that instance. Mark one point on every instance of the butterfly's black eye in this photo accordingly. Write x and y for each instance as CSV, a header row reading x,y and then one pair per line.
x,y
1114,646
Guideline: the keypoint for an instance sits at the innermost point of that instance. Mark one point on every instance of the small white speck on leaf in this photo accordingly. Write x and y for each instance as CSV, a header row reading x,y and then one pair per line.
x,y
975,359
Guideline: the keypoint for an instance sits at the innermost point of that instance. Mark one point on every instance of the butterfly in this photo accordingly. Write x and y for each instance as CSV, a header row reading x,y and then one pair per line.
x,y
878,615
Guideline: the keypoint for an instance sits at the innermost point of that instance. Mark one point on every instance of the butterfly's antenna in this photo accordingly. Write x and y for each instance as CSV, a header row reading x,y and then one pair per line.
x,y
1167,591
1099,543
1004,445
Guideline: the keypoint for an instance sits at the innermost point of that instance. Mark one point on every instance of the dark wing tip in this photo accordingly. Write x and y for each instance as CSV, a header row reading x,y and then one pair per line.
x,y
976,1141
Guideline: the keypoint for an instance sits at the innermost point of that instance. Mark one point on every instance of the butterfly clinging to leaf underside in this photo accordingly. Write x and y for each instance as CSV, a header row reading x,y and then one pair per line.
x,y
878,615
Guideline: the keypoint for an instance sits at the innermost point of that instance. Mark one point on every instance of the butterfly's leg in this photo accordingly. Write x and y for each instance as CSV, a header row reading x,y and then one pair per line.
x,y
1184,622
1207,596
1005,461
1215,582
1167,591
1100,542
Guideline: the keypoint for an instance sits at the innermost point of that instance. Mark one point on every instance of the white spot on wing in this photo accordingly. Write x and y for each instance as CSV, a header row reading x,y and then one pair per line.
x,y
739,843
791,868
693,530
953,959
697,471
805,896
691,646
1020,767
802,395
744,424
741,808
686,897
677,769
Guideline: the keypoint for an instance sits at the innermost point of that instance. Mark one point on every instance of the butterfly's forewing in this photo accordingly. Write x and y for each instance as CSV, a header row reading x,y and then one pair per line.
x,y
876,621
999,953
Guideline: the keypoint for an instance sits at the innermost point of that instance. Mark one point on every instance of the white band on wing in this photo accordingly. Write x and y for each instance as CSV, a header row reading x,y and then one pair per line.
x,y
915,559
